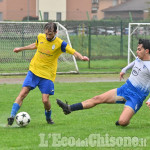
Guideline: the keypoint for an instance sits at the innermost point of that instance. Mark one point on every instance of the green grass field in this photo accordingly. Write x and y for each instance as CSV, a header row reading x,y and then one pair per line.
x,y
74,128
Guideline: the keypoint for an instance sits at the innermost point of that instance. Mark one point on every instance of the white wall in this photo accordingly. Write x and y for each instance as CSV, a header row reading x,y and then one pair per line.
x,y
52,7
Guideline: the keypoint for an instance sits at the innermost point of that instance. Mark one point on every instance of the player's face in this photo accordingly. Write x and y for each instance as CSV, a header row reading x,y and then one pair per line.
x,y
50,34
141,51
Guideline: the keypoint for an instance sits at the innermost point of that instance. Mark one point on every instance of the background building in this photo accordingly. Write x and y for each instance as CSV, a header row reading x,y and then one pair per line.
x,y
61,10
137,9
89,9
52,9
17,9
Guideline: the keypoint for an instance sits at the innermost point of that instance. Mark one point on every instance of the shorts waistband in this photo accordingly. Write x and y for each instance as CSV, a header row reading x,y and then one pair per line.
x,y
137,90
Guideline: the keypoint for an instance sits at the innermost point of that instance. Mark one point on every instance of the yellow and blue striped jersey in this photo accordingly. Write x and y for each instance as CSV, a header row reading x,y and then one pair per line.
x,y
44,62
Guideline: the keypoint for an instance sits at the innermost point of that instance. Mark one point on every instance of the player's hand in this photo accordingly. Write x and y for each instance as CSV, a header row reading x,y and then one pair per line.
x,y
16,50
85,58
148,104
121,75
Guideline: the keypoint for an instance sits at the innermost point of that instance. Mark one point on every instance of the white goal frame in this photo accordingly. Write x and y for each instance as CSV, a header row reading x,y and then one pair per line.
x,y
130,33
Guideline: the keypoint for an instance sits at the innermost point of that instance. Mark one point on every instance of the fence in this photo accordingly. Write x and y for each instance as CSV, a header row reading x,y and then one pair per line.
x,y
106,45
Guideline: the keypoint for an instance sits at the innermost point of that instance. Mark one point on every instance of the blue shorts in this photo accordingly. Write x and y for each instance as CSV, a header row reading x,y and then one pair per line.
x,y
134,97
46,86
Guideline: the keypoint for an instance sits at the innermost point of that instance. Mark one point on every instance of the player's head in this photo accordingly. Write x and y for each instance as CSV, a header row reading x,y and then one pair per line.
x,y
50,30
143,49
145,44
51,27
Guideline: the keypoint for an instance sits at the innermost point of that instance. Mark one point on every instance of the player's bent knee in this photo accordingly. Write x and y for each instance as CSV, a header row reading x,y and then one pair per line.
x,y
45,101
123,122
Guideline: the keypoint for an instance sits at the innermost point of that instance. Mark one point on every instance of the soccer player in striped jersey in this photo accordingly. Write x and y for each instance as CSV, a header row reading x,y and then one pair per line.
x,y
132,93
42,69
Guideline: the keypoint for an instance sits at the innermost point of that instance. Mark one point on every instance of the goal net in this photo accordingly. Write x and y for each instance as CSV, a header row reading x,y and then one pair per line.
x,y
136,31
19,34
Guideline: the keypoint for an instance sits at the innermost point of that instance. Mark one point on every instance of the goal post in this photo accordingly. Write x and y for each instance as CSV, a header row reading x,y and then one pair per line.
x,y
19,34
135,32
63,34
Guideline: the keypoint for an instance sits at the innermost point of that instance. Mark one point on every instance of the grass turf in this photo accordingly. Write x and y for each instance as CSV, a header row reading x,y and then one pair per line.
x,y
77,126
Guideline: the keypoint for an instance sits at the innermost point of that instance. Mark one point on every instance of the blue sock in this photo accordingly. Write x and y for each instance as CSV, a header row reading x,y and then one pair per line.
x,y
48,114
77,106
15,109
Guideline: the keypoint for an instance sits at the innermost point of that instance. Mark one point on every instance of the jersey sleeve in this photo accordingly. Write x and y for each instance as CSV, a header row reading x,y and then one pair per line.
x,y
66,48
124,70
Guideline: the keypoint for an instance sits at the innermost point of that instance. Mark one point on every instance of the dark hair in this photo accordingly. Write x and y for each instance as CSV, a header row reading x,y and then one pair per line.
x,y
145,43
51,26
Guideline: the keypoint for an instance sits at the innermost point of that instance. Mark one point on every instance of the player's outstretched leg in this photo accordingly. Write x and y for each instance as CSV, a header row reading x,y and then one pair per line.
x,y
107,97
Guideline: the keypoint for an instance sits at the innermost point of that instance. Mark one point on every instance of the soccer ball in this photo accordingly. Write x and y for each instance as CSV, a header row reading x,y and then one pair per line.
x,y
22,119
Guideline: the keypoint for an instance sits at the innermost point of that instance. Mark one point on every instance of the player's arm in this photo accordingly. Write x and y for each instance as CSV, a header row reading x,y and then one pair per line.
x,y
70,50
124,70
148,103
28,47
78,55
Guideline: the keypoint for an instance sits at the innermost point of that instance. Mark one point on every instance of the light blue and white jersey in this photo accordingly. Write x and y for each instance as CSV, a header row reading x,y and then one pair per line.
x,y
140,75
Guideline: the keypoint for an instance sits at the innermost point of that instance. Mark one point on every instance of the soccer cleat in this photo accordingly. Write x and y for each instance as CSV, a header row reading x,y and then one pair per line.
x,y
10,120
117,123
65,107
50,121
